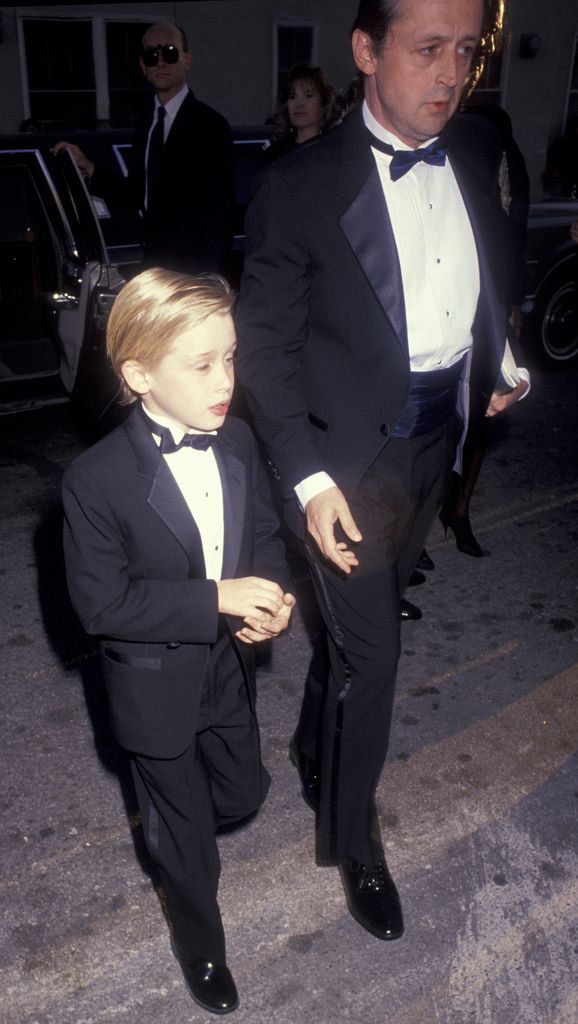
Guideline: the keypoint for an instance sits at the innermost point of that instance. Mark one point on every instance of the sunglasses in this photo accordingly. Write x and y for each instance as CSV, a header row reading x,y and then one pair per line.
x,y
150,54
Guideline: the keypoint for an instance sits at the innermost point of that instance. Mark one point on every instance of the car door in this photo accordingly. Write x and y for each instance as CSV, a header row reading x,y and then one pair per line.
x,y
56,286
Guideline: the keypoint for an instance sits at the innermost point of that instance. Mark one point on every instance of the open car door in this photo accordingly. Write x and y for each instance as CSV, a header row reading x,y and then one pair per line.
x,y
56,287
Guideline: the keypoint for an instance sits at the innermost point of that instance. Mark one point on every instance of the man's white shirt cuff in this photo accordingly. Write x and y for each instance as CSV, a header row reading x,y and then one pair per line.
x,y
312,486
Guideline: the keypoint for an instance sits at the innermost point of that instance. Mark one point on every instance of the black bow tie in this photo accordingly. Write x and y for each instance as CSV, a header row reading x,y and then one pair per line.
x,y
168,444
402,160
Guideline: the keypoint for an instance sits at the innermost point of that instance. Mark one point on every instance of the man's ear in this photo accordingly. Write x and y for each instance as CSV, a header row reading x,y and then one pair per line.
x,y
135,376
363,52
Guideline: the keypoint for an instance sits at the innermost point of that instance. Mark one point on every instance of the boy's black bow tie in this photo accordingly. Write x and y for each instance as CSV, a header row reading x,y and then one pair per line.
x,y
402,160
199,441
168,444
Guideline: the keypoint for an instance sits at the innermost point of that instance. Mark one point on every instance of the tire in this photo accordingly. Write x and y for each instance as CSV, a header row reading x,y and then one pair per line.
x,y
557,318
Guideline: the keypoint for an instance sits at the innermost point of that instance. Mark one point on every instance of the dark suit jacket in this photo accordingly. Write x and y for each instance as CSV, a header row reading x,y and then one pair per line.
x,y
136,574
191,228
323,351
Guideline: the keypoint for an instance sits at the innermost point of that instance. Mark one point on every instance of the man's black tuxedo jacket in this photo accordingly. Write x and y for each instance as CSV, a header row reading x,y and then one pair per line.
x,y
136,574
323,351
190,229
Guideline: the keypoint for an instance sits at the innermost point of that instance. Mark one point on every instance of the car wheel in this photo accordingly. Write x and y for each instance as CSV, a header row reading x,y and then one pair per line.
x,y
558,319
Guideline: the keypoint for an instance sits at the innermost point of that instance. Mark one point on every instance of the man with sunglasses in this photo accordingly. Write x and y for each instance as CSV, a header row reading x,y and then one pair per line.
x,y
181,165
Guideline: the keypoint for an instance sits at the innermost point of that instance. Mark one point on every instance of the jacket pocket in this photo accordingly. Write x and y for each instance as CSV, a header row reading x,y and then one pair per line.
x,y
154,664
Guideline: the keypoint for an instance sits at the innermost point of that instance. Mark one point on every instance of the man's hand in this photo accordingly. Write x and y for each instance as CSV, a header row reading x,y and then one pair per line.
x,y
498,402
85,166
255,631
574,232
323,511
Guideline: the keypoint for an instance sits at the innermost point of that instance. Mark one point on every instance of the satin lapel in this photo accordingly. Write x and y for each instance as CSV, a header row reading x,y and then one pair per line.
x,y
367,226
165,497
234,483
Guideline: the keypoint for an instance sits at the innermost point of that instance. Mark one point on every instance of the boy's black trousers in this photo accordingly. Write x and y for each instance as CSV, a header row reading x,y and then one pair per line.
x,y
218,780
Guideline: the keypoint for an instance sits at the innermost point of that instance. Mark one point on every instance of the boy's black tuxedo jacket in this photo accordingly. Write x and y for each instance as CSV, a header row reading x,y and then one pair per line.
x,y
136,574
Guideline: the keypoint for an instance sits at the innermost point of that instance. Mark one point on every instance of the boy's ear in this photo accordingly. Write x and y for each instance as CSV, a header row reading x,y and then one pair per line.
x,y
135,376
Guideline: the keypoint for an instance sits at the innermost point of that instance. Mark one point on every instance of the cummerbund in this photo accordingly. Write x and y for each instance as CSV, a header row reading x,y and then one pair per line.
x,y
432,400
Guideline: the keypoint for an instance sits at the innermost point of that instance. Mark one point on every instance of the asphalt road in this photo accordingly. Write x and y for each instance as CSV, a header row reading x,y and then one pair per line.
x,y
478,801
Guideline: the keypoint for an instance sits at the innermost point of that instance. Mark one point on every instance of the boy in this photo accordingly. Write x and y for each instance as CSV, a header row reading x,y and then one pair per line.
x,y
161,540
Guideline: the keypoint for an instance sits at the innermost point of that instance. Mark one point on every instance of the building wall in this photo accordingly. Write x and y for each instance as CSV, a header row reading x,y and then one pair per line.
x,y
233,59
536,88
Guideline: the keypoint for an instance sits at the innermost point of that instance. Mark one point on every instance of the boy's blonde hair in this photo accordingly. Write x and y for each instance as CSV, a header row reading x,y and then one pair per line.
x,y
154,308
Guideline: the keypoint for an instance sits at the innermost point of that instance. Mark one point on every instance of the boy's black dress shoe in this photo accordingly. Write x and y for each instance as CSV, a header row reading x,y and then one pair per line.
x,y
416,579
308,774
210,985
408,611
372,897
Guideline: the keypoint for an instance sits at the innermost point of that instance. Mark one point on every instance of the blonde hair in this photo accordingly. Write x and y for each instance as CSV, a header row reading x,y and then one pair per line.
x,y
154,308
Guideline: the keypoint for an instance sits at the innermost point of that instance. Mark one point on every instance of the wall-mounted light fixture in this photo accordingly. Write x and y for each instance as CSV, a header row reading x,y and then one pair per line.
x,y
530,45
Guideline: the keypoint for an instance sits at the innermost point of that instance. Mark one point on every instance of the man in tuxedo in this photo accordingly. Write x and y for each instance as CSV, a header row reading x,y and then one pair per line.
x,y
370,313
180,168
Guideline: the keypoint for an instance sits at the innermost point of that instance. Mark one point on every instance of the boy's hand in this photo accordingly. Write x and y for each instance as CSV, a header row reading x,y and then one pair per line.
x,y
250,597
255,631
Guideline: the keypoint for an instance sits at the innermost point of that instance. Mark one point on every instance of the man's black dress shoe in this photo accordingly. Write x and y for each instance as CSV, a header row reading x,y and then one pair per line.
x,y
416,579
407,610
210,985
308,774
425,561
372,898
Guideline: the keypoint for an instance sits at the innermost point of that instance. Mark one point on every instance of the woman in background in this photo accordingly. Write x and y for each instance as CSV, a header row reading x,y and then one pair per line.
x,y
308,108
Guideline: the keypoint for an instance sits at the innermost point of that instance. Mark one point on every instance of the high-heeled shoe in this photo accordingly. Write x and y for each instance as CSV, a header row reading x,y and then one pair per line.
x,y
462,531
425,561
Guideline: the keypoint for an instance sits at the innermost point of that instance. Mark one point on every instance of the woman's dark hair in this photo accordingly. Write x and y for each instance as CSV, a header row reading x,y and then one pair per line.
x,y
315,77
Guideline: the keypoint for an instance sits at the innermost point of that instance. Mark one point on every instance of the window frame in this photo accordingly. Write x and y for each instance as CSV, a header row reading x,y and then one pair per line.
x,y
571,90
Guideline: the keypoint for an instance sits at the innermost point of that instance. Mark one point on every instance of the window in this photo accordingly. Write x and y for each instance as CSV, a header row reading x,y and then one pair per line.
x,y
61,80
83,72
294,45
572,97
128,92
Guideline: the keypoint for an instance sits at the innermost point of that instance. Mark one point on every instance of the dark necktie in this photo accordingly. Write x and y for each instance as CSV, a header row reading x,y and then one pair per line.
x,y
154,162
168,444
402,160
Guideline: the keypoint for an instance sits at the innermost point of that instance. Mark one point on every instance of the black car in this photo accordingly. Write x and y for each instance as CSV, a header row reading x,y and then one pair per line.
x,y
551,305
64,256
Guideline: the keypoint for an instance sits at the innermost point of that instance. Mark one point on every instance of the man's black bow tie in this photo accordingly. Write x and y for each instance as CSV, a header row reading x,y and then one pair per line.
x,y
402,160
168,444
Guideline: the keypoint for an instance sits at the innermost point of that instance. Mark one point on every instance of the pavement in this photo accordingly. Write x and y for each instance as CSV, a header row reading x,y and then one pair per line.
x,y
478,801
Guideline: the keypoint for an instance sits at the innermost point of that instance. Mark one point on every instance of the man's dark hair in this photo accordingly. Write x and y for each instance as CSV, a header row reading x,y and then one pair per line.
x,y
375,18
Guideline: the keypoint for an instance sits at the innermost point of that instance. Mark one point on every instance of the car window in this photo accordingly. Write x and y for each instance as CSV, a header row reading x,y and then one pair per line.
x,y
28,271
